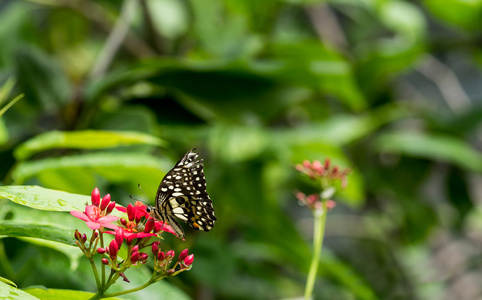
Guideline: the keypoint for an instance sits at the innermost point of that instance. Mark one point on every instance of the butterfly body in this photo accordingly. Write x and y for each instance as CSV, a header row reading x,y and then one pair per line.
x,y
182,194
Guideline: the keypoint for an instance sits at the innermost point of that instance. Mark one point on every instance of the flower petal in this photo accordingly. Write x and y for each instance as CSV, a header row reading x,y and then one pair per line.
x,y
108,219
121,209
80,215
93,225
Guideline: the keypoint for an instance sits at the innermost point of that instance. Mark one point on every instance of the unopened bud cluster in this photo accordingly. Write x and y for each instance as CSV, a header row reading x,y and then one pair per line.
x,y
163,261
327,175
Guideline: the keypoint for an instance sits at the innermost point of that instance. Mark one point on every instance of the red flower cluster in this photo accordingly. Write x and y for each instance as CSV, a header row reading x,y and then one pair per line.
x,y
316,170
136,230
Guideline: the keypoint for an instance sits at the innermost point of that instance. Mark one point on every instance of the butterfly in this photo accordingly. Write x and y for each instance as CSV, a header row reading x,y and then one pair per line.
x,y
182,194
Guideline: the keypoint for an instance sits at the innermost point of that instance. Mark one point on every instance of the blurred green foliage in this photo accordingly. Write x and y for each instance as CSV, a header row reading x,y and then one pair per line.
x,y
115,92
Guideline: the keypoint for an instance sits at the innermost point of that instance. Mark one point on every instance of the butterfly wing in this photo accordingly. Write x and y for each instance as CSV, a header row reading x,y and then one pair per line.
x,y
182,194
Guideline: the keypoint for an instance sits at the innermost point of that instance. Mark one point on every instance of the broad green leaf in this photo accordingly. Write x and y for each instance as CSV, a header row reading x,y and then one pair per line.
x,y
130,168
42,78
85,139
237,143
72,252
57,294
311,64
7,281
432,146
340,129
461,13
8,292
48,232
45,199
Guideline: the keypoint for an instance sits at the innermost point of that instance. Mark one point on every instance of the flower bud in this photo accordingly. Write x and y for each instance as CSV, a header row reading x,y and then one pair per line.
x,y
95,197
95,234
77,235
170,253
105,261
130,212
119,236
130,239
124,277
143,256
170,272
105,202
189,259
135,257
161,256
155,248
183,254
113,249
138,215
326,166
110,207
100,250
83,238
123,221
149,225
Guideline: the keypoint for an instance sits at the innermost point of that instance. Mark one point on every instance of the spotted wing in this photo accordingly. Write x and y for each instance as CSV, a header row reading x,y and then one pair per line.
x,y
182,194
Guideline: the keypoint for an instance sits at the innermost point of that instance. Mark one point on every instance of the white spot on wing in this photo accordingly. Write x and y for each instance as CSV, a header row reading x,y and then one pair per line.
x,y
178,210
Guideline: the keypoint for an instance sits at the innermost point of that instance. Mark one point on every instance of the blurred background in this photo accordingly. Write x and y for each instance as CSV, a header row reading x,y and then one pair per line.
x,y
388,88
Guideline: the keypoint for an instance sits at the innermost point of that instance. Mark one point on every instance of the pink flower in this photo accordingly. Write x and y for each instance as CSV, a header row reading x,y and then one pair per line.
x,y
93,218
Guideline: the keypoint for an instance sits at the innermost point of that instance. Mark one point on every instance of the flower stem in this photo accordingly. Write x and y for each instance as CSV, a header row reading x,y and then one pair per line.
x,y
101,233
319,232
96,274
131,290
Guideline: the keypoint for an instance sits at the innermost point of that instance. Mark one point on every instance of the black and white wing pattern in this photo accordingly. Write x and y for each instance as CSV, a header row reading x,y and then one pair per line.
x,y
182,194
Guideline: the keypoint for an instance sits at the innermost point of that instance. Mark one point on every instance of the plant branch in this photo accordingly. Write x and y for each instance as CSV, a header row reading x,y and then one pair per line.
x,y
116,36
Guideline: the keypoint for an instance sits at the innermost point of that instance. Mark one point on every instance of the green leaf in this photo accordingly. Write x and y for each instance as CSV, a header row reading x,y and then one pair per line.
x,y
72,252
461,13
85,139
48,232
42,78
45,199
123,168
340,129
311,64
7,281
9,292
57,294
432,146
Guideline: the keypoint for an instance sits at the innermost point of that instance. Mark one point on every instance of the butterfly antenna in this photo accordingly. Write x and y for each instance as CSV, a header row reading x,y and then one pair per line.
x,y
139,186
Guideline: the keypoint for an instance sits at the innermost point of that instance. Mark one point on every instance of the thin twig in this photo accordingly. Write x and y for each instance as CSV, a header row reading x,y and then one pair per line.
x,y
151,29
447,83
326,25
116,36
